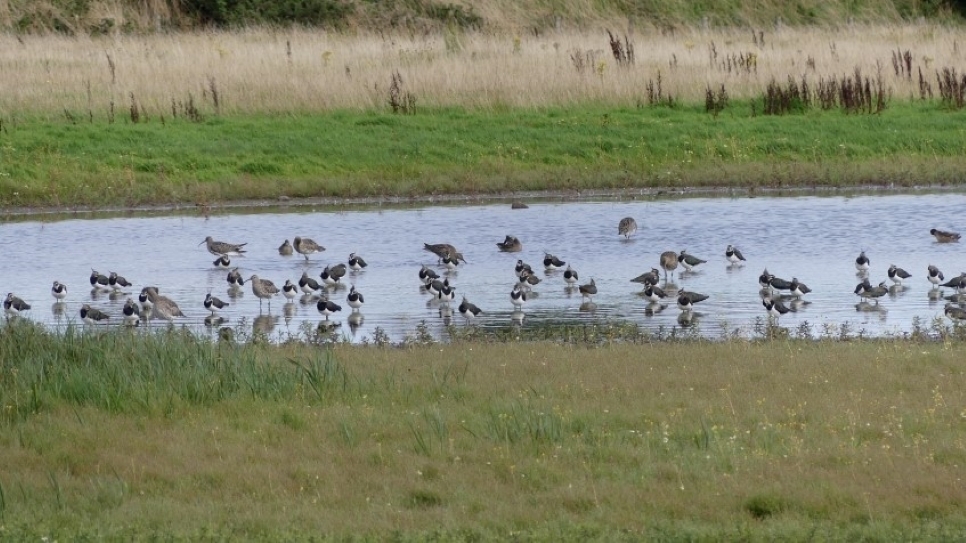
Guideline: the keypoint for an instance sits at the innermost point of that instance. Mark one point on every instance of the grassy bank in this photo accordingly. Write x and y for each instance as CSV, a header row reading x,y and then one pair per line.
x,y
165,435
351,154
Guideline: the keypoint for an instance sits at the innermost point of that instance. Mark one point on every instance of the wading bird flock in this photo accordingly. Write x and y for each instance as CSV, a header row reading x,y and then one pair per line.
x,y
778,296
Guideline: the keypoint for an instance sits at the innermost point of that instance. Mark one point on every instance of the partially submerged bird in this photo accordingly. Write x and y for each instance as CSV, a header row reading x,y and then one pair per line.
x,y
306,246
955,312
285,249
943,236
222,262
626,227
510,245
221,248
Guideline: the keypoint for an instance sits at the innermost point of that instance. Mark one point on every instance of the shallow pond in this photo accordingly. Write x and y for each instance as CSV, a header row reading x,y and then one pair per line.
x,y
814,238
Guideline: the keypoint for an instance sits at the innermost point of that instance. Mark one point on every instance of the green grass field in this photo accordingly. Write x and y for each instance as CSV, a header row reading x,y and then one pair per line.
x,y
165,436
52,162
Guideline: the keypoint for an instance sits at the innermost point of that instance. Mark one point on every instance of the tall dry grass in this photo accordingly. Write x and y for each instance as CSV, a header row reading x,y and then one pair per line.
x,y
301,70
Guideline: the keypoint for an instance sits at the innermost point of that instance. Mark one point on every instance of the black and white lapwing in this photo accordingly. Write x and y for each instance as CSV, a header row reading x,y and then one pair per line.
x,y
958,283
775,308
58,291
934,275
222,262
235,278
308,285
450,262
131,312
654,293
290,290
551,262
689,261
570,276
14,306
331,275
518,297
213,304
327,307
522,268
99,281
862,263
90,315
528,280
866,291
355,299
118,282
897,274
648,278
469,310
798,289
446,294
687,299
427,275
356,262
733,255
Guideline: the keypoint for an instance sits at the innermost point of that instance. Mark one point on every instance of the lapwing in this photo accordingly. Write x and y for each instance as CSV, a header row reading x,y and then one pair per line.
x,y
897,274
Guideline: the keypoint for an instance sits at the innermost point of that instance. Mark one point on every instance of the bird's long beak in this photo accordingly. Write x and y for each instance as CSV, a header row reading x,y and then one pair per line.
x,y
202,241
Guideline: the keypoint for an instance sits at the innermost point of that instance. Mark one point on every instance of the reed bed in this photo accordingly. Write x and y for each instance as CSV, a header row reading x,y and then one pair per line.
x,y
535,440
292,71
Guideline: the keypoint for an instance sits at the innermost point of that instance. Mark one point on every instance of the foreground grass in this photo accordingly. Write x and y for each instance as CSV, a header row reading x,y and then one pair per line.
x,y
366,154
132,436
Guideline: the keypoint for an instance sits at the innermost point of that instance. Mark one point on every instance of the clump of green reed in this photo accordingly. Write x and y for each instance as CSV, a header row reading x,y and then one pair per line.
x,y
125,370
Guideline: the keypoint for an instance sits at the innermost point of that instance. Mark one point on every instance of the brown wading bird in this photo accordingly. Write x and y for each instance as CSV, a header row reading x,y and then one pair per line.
x,y
306,247
943,236
441,249
510,245
669,262
285,249
161,306
221,248
263,289
626,227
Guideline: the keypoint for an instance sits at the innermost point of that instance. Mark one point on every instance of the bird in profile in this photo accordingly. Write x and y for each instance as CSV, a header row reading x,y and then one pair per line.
x,y
14,306
285,249
327,307
551,262
331,275
213,304
522,268
867,291
955,312
306,247
797,288
689,261
775,308
733,255
263,289
943,236
958,283
510,245
570,276
161,306
687,299
669,263
117,282
528,280
427,275
648,278
588,290
897,274
99,281
92,315
469,310
440,250
356,262
309,285
862,263
58,291
355,299
221,248
626,227
934,275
